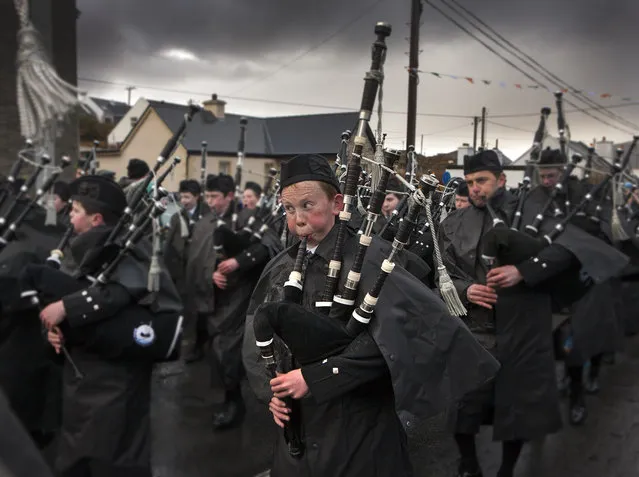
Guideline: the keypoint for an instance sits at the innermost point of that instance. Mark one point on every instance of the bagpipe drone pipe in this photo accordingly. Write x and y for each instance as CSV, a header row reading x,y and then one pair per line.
x,y
226,242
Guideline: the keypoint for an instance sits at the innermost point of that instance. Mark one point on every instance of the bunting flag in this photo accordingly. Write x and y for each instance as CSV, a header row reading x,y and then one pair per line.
x,y
521,86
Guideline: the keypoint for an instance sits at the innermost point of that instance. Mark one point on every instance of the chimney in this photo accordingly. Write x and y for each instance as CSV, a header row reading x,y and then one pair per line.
x,y
215,106
605,149
464,150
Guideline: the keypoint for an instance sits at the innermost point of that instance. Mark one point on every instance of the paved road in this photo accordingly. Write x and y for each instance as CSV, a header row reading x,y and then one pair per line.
x,y
606,446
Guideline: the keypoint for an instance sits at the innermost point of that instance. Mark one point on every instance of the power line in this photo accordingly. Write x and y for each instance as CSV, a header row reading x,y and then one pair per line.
x,y
506,126
513,65
267,101
553,77
323,106
516,115
311,49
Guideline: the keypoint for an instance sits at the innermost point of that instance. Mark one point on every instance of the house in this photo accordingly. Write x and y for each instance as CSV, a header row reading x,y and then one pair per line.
x,y
106,110
268,140
123,127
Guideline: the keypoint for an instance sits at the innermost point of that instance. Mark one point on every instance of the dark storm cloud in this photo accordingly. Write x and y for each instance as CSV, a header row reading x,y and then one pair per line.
x,y
590,43
249,28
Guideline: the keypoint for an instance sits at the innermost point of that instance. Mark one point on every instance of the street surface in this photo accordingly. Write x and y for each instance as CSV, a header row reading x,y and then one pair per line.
x,y
606,446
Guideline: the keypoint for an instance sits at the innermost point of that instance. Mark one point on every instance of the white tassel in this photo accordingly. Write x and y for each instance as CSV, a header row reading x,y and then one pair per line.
x,y
446,286
619,233
43,98
443,214
52,215
376,170
155,270
184,227
449,292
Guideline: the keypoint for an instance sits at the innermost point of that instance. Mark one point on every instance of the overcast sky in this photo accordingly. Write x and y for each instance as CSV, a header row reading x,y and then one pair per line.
x,y
317,52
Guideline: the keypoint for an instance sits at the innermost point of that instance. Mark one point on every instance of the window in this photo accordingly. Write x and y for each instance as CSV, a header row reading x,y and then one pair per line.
x,y
225,167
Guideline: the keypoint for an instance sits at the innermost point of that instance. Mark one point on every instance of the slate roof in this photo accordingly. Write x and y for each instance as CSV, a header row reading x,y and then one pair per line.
x,y
274,136
116,109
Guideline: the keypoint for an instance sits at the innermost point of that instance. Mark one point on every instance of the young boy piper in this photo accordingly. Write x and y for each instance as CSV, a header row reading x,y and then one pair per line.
x,y
105,423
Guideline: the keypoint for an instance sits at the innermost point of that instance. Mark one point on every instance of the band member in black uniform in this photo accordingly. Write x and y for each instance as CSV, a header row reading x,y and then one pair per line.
x,y
61,196
251,195
250,198
347,402
218,291
461,196
594,328
106,421
510,316
136,171
176,254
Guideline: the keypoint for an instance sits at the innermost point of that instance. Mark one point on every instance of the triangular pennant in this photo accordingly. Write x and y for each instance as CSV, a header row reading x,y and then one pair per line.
x,y
606,95
435,74
518,86
470,80
486,82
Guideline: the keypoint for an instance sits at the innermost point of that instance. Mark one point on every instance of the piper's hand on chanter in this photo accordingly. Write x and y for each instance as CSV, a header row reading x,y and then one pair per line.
x,y
291,384
503,277
228,266
220,280
56,339
280,411
481,295
53,314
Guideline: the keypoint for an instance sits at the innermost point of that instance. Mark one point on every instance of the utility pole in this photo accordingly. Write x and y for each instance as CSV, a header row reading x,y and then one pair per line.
x,y
421,147
413,67
475,125
496,143
129,89
483,128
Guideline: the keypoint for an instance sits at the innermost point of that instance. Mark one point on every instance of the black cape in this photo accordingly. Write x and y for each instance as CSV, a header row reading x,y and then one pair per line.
x,y
427,350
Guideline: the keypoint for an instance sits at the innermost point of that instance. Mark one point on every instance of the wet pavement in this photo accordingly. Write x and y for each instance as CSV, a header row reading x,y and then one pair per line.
x,y
606,446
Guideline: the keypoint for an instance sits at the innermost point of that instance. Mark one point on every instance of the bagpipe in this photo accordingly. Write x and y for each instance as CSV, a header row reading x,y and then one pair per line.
x,y
509,246
262,219
526,184
9,232
225,239
137,332
268,318
150,328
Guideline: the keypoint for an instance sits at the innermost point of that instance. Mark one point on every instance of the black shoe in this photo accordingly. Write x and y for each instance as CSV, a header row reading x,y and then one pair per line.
x,y
231,416
194,356
578,411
